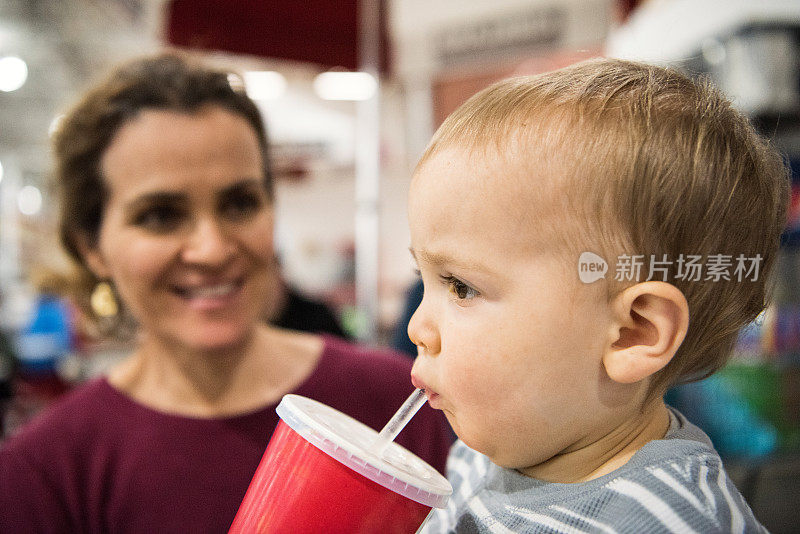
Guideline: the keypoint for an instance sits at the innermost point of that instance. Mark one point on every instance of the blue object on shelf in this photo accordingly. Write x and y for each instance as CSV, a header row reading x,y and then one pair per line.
x,y
734,427
791,236
47,338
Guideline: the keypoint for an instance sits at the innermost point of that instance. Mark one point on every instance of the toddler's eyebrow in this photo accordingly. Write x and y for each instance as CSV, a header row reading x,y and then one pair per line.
x,y
443,259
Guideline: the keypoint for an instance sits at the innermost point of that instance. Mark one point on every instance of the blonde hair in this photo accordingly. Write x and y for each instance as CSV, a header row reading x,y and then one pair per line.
x,y
652,163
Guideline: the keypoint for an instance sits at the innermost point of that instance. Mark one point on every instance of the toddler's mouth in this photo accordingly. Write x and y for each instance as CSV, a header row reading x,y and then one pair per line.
x,y
433,397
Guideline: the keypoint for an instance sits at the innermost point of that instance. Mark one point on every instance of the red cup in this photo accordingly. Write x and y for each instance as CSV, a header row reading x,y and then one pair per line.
x,y
319,474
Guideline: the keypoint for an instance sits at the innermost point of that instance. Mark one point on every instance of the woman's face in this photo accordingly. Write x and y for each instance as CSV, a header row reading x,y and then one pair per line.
x,y
186,235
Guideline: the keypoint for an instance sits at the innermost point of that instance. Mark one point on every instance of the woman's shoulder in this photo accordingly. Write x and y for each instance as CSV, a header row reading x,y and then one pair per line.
x,y
367,358
68,418
60,441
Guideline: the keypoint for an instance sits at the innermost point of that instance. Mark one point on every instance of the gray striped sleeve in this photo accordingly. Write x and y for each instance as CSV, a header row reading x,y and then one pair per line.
x,y
670,493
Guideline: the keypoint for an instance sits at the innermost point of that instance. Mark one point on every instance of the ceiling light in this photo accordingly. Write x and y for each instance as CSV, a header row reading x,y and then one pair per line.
x,y
29,200
713,51
13,73
345,85
264,85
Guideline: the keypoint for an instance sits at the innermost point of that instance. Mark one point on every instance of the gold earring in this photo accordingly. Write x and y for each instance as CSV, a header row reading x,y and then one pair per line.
x,y
103,302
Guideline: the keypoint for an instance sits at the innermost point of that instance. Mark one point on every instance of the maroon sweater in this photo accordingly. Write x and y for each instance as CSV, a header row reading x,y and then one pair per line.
x,y
100,462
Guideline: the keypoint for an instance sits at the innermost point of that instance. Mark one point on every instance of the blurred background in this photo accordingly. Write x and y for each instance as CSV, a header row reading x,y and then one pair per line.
x,y
351,92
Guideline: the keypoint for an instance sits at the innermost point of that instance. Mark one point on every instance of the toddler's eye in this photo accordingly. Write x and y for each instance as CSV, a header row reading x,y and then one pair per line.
x,y
461,290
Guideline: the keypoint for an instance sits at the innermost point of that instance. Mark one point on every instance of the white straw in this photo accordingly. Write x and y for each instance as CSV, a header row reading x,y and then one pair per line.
x,y
399,420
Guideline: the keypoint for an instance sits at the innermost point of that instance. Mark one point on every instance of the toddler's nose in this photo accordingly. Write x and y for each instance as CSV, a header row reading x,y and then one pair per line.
x,y
422,332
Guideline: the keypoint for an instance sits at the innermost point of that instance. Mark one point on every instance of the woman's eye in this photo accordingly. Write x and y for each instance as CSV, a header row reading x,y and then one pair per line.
x,y
159,218
241,205
461,290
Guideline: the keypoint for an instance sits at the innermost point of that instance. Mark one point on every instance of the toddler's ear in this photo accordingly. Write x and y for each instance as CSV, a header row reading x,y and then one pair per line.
x,y
650,320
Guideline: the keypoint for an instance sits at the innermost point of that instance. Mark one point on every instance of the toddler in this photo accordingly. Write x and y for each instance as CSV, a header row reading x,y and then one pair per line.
x,y
588,238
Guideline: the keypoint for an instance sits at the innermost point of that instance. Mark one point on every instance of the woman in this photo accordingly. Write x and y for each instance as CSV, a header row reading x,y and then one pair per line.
x,y
167,199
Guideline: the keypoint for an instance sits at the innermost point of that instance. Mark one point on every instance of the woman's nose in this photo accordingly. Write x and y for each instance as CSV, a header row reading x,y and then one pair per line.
x,y
208,244
422,330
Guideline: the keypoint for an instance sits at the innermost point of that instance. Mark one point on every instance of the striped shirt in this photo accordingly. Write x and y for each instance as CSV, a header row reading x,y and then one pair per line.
x,y
677,484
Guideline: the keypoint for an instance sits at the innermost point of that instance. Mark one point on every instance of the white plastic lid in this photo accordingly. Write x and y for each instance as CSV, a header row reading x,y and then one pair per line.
x,y
348,441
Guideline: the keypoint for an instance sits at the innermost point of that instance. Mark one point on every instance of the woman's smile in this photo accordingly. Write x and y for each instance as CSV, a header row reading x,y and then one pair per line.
x,y
211,296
